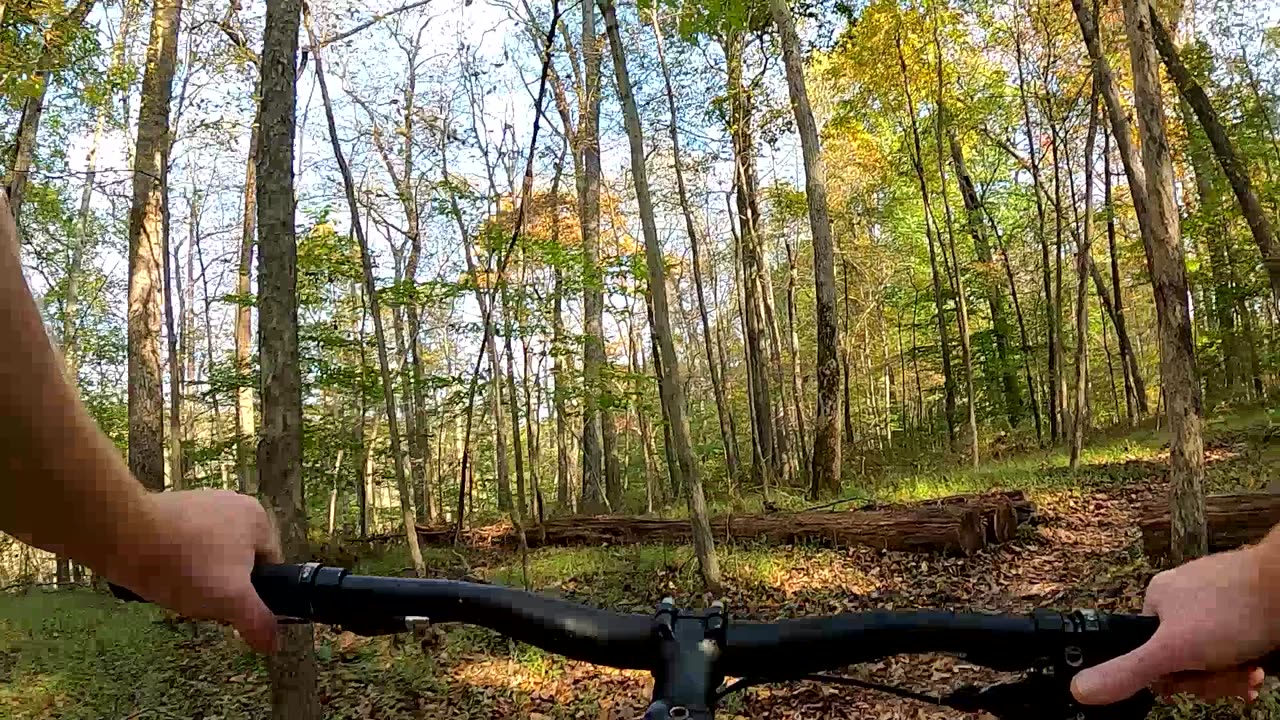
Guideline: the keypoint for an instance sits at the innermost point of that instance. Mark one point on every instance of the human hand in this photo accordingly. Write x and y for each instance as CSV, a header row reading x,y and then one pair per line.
x,y
196,558
1217,615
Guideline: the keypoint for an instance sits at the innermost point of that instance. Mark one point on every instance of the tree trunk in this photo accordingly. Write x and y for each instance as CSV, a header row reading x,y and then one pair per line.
x,y
957,282
1233,165
1131,397
931,229
713,369
741,109
147,248
54,43
670,383
1179,381
826,423
1051,312
292,667
1000,329
175,363
594,497
388,391
1083,262
245,471
793,352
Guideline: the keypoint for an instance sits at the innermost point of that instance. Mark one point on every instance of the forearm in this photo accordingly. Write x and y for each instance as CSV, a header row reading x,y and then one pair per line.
x,y
63,485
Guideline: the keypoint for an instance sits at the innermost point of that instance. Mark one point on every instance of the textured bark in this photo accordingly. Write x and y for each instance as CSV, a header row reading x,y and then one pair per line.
x,y
713,368
953,528
246,472
594,496
764,460
1179,378
1133,399
175,362
1231,520
380,339
826,422
292,667
670,383
147,247
1233,166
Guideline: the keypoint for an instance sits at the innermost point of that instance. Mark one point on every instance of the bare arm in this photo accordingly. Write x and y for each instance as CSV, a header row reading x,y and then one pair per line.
x,y
65,488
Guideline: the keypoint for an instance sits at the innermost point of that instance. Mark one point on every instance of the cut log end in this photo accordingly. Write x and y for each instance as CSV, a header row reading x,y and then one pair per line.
x,y
1234,520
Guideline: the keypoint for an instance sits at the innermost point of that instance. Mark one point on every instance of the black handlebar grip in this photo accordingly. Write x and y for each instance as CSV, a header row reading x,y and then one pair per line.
x,y
1130,631
282,588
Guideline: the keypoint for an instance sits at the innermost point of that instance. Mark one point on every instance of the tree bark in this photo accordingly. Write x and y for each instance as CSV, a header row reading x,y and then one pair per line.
x,y
1128,363
670,383
764,460
175,363
147,248
1233,165
246,473
1179,378
292,667
826,422
388,390
594,497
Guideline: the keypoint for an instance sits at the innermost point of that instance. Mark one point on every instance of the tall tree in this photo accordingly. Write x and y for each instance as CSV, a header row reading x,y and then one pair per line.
x,y
671,385
54,43
826,428
1232,163
1083,263
1179,378
147,228
713,369
292,668
371,292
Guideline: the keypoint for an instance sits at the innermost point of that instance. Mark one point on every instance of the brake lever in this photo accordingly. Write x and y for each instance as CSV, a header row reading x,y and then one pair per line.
x,y
1040,697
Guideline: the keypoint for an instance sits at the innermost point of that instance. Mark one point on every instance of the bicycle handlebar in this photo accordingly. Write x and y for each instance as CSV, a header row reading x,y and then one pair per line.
x,y
691,654
788,648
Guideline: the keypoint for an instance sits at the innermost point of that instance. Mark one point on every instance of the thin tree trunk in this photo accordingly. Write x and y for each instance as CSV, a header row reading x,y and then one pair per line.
x,y
826,433
793,353
1083,262
245,471
670,384
175,372
594,497
1022,326
764,460
1179,381
917,161
388,391
1051,311
1130,396
957,284
713,369
292,667
147,249
991,285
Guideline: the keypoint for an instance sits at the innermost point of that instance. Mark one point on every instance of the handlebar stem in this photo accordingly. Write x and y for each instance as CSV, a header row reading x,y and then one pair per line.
x,y
687,677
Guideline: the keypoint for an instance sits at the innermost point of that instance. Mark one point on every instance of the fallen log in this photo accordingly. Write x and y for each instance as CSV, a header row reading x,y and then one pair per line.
x,y
1002,512
1234,520
952,529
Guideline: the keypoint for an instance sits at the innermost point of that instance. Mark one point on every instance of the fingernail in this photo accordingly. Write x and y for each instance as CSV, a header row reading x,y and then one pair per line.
x,y
1083,686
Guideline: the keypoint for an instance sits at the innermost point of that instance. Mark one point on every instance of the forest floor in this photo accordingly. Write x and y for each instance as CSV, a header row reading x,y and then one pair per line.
x,y
78,654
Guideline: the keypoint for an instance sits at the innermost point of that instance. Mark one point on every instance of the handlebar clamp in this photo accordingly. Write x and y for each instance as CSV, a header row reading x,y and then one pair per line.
x,y
688,674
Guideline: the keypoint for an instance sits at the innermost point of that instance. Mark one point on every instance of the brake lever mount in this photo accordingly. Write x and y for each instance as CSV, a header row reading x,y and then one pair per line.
x,y
1045,690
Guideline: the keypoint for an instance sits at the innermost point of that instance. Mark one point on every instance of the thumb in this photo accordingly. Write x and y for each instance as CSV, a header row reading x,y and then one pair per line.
x,y
1120,678
255,622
